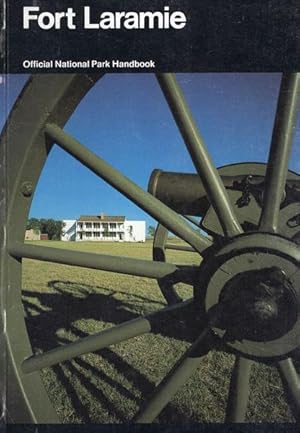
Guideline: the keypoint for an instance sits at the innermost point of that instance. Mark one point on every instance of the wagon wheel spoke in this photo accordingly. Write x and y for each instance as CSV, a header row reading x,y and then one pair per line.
x,y
103,339
178,375
180,248
118,264
137,195
207,172
281,144
291,383
238,391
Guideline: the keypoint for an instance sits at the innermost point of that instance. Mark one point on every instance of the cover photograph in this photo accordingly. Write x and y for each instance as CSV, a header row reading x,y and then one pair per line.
x,y
150,215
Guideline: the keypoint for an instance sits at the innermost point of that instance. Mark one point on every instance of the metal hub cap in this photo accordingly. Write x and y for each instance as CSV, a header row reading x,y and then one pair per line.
x,y
253,286
258,305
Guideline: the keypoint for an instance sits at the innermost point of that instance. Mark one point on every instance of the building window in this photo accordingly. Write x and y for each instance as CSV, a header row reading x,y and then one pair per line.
x,y
88,225
96,234
113,225
105,226
88,234
96,225
80,225
109,234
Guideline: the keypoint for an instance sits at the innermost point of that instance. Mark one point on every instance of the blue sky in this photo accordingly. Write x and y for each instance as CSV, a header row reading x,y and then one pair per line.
x,y
126,121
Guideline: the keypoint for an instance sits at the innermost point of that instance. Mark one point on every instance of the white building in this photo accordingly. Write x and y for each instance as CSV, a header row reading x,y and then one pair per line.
x,y
69,230
135,231
104,228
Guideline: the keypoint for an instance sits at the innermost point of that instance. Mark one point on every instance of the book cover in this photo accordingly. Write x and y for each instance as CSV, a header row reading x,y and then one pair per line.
x,y
150,203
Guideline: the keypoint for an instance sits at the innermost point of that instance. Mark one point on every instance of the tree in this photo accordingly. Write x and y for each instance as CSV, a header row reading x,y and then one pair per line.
x,y
49,227
33,224
151,231
59,229
53,228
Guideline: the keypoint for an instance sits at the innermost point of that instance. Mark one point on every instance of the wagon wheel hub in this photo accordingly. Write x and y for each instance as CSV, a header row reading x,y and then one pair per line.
x,y
255,292
258,305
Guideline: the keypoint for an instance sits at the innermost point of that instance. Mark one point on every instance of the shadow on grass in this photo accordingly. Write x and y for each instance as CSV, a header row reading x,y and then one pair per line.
x,y
52,317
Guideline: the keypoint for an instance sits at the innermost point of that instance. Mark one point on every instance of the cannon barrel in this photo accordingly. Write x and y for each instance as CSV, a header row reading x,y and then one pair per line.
x,y
185,193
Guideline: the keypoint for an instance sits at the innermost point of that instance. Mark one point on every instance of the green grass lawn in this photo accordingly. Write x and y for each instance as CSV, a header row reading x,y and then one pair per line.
x,y
64,303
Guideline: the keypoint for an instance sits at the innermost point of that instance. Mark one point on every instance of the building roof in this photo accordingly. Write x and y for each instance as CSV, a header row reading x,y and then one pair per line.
x,y
101,218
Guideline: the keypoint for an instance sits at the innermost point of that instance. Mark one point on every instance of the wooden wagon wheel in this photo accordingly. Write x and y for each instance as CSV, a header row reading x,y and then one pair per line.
x,y
247,286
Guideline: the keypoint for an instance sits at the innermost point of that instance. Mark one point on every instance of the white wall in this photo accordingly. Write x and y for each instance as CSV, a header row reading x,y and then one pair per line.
x,y
135,231
69,230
